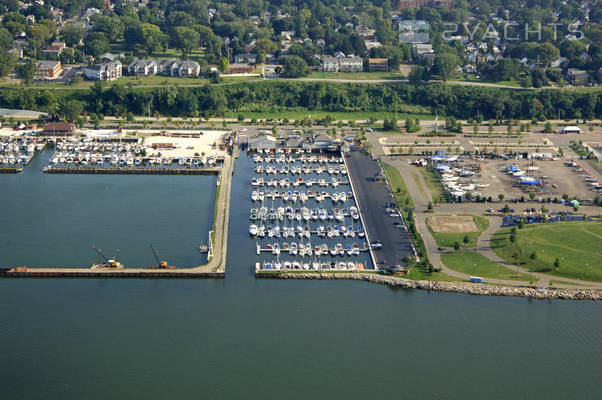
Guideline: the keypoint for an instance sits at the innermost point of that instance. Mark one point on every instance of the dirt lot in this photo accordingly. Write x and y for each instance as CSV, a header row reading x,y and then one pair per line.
x,y
453,223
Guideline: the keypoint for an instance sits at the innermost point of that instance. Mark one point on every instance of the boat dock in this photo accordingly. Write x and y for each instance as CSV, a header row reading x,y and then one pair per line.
x,y
132,171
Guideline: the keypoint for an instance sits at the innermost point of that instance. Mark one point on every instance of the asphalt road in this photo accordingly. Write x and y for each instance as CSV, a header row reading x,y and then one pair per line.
x,y
372,197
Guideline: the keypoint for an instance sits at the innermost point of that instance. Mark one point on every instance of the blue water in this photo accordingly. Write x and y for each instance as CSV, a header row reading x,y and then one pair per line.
x,y
243,338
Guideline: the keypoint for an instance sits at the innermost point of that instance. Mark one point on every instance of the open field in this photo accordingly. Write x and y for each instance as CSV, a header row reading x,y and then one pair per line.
x,y
476,264
576,245
433,184
449,238
357,75
417,275
398,186
314,115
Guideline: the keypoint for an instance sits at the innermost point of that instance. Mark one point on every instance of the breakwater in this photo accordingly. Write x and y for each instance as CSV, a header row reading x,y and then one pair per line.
x,y
122,273
11,170
441,286
132,171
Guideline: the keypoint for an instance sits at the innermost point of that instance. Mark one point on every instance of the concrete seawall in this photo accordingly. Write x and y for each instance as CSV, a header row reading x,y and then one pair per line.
x,y
88,273
440,286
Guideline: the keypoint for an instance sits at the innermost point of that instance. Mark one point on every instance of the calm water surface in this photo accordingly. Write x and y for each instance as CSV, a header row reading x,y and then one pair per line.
x,y
242,338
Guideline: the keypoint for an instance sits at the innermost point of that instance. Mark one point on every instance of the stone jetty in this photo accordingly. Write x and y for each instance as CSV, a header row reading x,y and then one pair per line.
x,y
441,286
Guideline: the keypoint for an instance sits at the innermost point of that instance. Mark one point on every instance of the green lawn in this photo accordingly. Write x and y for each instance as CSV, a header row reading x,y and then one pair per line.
x,y
434,185
314,115
447,239
398,186
476,264
576,245
417,275
357,75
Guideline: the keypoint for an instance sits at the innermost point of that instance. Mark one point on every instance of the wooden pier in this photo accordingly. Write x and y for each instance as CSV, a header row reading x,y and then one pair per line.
x,y
133,171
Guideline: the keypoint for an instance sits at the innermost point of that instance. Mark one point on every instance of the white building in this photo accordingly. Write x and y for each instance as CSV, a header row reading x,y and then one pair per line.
x,y
143,68
110,71
343,64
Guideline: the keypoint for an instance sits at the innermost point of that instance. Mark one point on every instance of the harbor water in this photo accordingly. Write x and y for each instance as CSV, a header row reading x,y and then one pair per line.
x,y
241,337
52,220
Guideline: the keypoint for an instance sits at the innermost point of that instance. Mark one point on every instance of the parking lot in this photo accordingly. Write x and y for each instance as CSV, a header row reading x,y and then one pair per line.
x,y
372,196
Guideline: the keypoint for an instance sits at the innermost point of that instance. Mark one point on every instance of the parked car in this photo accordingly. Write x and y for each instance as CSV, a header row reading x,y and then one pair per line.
x,y
376,244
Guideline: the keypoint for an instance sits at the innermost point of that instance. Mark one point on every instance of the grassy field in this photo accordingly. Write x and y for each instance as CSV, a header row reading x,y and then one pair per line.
x,y
433,184
398,186
476,264
357,75
417,275
447,239
576,245
314,115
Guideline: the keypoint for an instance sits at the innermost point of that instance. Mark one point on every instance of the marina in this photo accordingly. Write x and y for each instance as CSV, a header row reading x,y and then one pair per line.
x,y
17,151
305,229
185,244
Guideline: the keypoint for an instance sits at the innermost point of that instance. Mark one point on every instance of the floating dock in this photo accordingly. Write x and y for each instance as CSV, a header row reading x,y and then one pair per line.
x,y
133,171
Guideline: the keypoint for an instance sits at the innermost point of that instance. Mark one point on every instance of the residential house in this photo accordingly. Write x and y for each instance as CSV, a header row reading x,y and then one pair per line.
x,y
577,76
55,49
110,71
164,66
143,67
240,68
371,44
271,69
405,4
559,62
342,64
17,48
57,15
186,69
351,64
245,58
48,70
88,18
330,64
108,57
420,49
378,64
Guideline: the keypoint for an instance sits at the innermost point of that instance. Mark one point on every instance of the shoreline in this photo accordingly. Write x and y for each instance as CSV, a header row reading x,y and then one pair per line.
x,y
443,286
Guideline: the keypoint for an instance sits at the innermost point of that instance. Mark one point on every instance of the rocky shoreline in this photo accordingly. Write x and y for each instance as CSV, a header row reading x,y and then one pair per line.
x,y
441,286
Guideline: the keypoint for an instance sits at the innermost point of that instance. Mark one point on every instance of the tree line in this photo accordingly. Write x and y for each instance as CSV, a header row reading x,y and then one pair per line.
x,y
215,100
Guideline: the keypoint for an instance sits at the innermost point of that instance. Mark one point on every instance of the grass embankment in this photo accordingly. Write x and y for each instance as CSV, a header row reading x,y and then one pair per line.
x,y
357,75
476,264
576,246
398,186
434,185
448,239
316,115
418,274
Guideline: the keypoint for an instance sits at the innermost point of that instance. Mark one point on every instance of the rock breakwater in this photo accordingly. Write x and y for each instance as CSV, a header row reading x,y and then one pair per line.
x,y
441,286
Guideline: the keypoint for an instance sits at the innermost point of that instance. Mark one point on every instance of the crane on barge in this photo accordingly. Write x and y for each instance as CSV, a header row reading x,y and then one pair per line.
x,y
160,264
109,263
